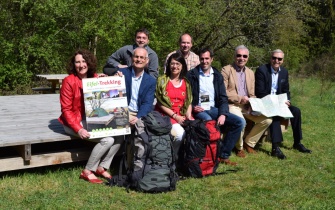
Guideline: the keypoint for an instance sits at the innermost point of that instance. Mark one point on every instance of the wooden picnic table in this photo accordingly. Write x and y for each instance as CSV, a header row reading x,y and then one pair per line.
x,y
29,127
55,79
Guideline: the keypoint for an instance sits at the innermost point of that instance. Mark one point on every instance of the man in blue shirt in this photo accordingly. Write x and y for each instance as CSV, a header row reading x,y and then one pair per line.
x,y
140,86
210,102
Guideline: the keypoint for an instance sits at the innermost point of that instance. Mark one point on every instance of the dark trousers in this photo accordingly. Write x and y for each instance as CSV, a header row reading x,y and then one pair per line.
x,y
275,129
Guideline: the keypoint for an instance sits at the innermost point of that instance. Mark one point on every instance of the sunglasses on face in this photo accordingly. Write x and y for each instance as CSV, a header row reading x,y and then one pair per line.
x,y
239,55
276,58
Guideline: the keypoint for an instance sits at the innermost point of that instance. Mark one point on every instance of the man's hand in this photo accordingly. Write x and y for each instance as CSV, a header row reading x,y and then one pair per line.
x,y
122,66
221,120
244,100
133,120
198,109
119,73
83,134
288,103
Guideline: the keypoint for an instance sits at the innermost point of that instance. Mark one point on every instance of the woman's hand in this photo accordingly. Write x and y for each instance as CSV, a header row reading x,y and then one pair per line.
x,y
180,119
83,134
189,116
102,75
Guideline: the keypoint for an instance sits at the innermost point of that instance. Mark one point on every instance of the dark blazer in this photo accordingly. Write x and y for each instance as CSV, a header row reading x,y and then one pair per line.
x,y
220,96
263,81
146,92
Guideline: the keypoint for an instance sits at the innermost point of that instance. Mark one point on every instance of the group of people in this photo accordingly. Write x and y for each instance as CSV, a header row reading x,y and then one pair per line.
x,y
190,88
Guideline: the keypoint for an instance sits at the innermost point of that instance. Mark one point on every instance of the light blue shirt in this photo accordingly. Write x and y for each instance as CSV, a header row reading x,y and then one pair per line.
x,y
274,85
135,87
207,86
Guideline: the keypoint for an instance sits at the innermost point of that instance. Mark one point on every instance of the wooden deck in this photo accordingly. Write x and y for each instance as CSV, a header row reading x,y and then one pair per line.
x,y
31,136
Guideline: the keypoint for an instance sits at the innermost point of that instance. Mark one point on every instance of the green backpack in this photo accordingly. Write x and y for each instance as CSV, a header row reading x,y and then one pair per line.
x,y
158,173
149,157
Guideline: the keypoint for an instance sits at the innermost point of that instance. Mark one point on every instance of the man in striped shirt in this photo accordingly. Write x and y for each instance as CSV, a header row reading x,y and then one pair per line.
x,y
185,45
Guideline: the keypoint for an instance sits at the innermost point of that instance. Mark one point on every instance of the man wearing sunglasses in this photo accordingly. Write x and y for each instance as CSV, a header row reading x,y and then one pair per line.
x,y
240,85
272,79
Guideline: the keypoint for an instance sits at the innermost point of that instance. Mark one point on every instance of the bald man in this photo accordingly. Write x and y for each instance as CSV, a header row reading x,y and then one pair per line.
x,y
185,45
140,85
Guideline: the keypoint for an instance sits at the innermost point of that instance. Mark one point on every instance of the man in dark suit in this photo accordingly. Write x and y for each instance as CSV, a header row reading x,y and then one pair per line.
x,y
140,86
273,79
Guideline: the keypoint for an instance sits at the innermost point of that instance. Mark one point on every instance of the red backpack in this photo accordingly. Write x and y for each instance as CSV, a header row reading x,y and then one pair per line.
x,y
201,148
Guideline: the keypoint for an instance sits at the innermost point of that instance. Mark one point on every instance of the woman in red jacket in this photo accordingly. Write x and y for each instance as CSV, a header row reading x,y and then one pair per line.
x,y
83,64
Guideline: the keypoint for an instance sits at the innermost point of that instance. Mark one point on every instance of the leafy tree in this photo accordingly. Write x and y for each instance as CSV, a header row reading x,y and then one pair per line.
x,y
38,36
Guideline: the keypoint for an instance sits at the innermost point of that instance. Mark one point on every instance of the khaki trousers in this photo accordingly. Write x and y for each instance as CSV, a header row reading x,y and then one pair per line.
x,y
261,124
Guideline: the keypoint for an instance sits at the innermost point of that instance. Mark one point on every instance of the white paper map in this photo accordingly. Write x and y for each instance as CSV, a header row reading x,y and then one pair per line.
x,y
271,105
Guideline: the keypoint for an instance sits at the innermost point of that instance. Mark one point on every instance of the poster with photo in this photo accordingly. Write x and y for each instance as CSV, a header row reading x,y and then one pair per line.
x,y
106,106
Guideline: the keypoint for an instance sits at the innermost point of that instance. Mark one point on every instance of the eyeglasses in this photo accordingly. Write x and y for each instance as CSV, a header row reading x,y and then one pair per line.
x,y
276,58
175,64
239,55
140,57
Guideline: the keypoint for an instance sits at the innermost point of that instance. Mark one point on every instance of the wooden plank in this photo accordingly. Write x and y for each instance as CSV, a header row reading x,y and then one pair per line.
x,y
44,124
28,119
45,89
41,139
73,155
29,123
53,76
24,151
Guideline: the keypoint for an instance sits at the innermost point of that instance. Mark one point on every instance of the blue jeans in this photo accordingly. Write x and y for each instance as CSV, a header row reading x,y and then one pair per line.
x,y
233,124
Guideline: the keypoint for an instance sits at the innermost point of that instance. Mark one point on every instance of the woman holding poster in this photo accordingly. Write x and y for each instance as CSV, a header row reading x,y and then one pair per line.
x,y
174,96
82,65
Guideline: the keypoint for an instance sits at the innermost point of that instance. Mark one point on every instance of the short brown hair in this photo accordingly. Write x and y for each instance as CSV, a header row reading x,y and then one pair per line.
x,y
142,30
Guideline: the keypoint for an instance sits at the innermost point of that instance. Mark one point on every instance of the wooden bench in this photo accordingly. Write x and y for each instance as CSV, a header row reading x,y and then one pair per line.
x,y
31,136
55,82
266,136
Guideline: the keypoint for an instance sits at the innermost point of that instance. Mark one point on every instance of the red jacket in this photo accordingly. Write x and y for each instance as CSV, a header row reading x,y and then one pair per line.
x,y
72,102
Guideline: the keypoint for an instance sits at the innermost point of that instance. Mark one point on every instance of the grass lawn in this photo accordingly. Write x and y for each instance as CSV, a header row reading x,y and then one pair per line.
x,y
302,181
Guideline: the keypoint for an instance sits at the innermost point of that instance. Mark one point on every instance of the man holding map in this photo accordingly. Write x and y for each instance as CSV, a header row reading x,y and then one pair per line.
x,y
272,79
239,81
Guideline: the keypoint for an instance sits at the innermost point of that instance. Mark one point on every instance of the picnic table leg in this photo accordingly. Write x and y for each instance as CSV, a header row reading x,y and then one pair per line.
x,y
24,151
53,86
